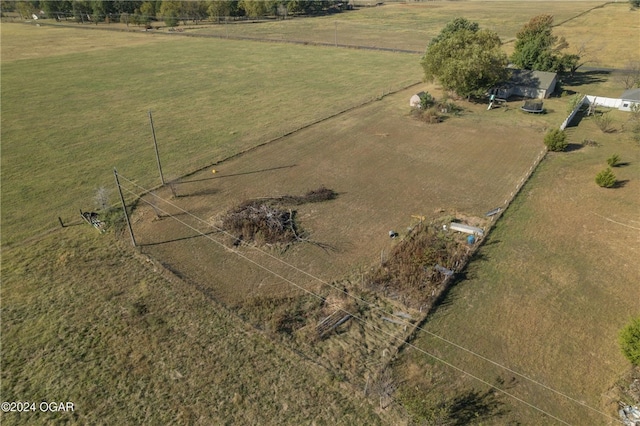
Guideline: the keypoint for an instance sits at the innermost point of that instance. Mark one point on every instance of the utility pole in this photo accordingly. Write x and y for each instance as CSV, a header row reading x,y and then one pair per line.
x,y
124,207
155,144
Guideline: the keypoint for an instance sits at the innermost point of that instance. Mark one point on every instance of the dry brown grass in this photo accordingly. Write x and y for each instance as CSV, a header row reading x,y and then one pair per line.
x,y
551,287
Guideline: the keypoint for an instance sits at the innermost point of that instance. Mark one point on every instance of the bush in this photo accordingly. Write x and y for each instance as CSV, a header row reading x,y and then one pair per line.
x,y
603,121
614,160
573,102
630,341
606,178
555,140
426,101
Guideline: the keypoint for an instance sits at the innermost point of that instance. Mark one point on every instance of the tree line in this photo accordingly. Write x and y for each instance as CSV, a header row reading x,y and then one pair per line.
x,y
171,12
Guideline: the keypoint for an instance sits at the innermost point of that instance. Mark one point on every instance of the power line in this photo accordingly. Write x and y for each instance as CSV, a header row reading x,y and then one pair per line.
x,y
369,304
361,320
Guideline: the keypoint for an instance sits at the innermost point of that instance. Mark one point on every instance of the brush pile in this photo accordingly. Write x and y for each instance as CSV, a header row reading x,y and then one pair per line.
x,y
269,220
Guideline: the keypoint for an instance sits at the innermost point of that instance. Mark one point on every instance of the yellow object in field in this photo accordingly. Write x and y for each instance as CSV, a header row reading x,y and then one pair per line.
x,y
213,171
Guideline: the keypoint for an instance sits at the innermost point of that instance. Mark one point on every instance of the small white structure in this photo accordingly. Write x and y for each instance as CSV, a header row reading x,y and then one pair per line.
x,y
629,98
460,227
414,102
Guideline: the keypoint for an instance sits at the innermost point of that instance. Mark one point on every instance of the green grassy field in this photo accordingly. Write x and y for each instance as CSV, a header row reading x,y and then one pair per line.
x,y
62,135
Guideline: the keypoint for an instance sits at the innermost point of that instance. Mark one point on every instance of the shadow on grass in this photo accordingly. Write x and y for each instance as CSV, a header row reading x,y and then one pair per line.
x,y
573,147
474,406
624,164
621,183
208,191
586,77
176,239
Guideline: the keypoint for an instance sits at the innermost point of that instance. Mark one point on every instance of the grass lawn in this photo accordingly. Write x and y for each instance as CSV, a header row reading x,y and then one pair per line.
x,y
62,135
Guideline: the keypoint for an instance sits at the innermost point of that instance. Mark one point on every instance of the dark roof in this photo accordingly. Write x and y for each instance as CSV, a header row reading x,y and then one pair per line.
x,y
631,95
527,78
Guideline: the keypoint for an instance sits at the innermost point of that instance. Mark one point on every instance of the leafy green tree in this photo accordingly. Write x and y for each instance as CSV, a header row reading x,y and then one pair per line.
x,y
606,178
458,24
257,8
536,48
221,8
465,59
170,12
25,9
574,101
81,10
195,10
630,341
56,8
555,140
147,12
635,3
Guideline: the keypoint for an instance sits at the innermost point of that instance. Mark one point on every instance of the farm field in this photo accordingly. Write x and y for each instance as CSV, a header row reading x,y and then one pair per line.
x,y
102,97
217,333
410,26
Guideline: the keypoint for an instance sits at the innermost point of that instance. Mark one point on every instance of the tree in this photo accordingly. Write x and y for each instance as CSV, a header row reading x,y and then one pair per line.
x,y
257,8
194,10
630,76
555,140
614,160
606,178
465,59
630,341
635,3
25,9
536,48
146,13
222,8
454,26
574,101
170,12
56,8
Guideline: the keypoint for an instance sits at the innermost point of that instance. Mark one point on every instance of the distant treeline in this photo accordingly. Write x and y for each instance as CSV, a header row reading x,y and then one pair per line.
x,y
171,12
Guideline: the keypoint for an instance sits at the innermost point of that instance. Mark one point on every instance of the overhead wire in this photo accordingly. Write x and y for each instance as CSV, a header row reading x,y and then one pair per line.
x,y
358,299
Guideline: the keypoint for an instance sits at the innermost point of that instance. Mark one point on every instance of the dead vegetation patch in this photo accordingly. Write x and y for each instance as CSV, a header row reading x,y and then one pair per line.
x,y
270,221
419,264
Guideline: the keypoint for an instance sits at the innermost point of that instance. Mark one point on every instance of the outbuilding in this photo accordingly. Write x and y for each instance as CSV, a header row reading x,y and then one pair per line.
x,y
415,100
629,98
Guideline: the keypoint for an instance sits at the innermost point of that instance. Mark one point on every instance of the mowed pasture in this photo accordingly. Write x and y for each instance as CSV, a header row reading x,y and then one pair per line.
x,y
410,26
69,117
385,166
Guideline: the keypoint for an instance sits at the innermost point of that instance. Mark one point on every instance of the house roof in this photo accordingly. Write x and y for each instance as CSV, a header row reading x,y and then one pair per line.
x,y
527,78
631,95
